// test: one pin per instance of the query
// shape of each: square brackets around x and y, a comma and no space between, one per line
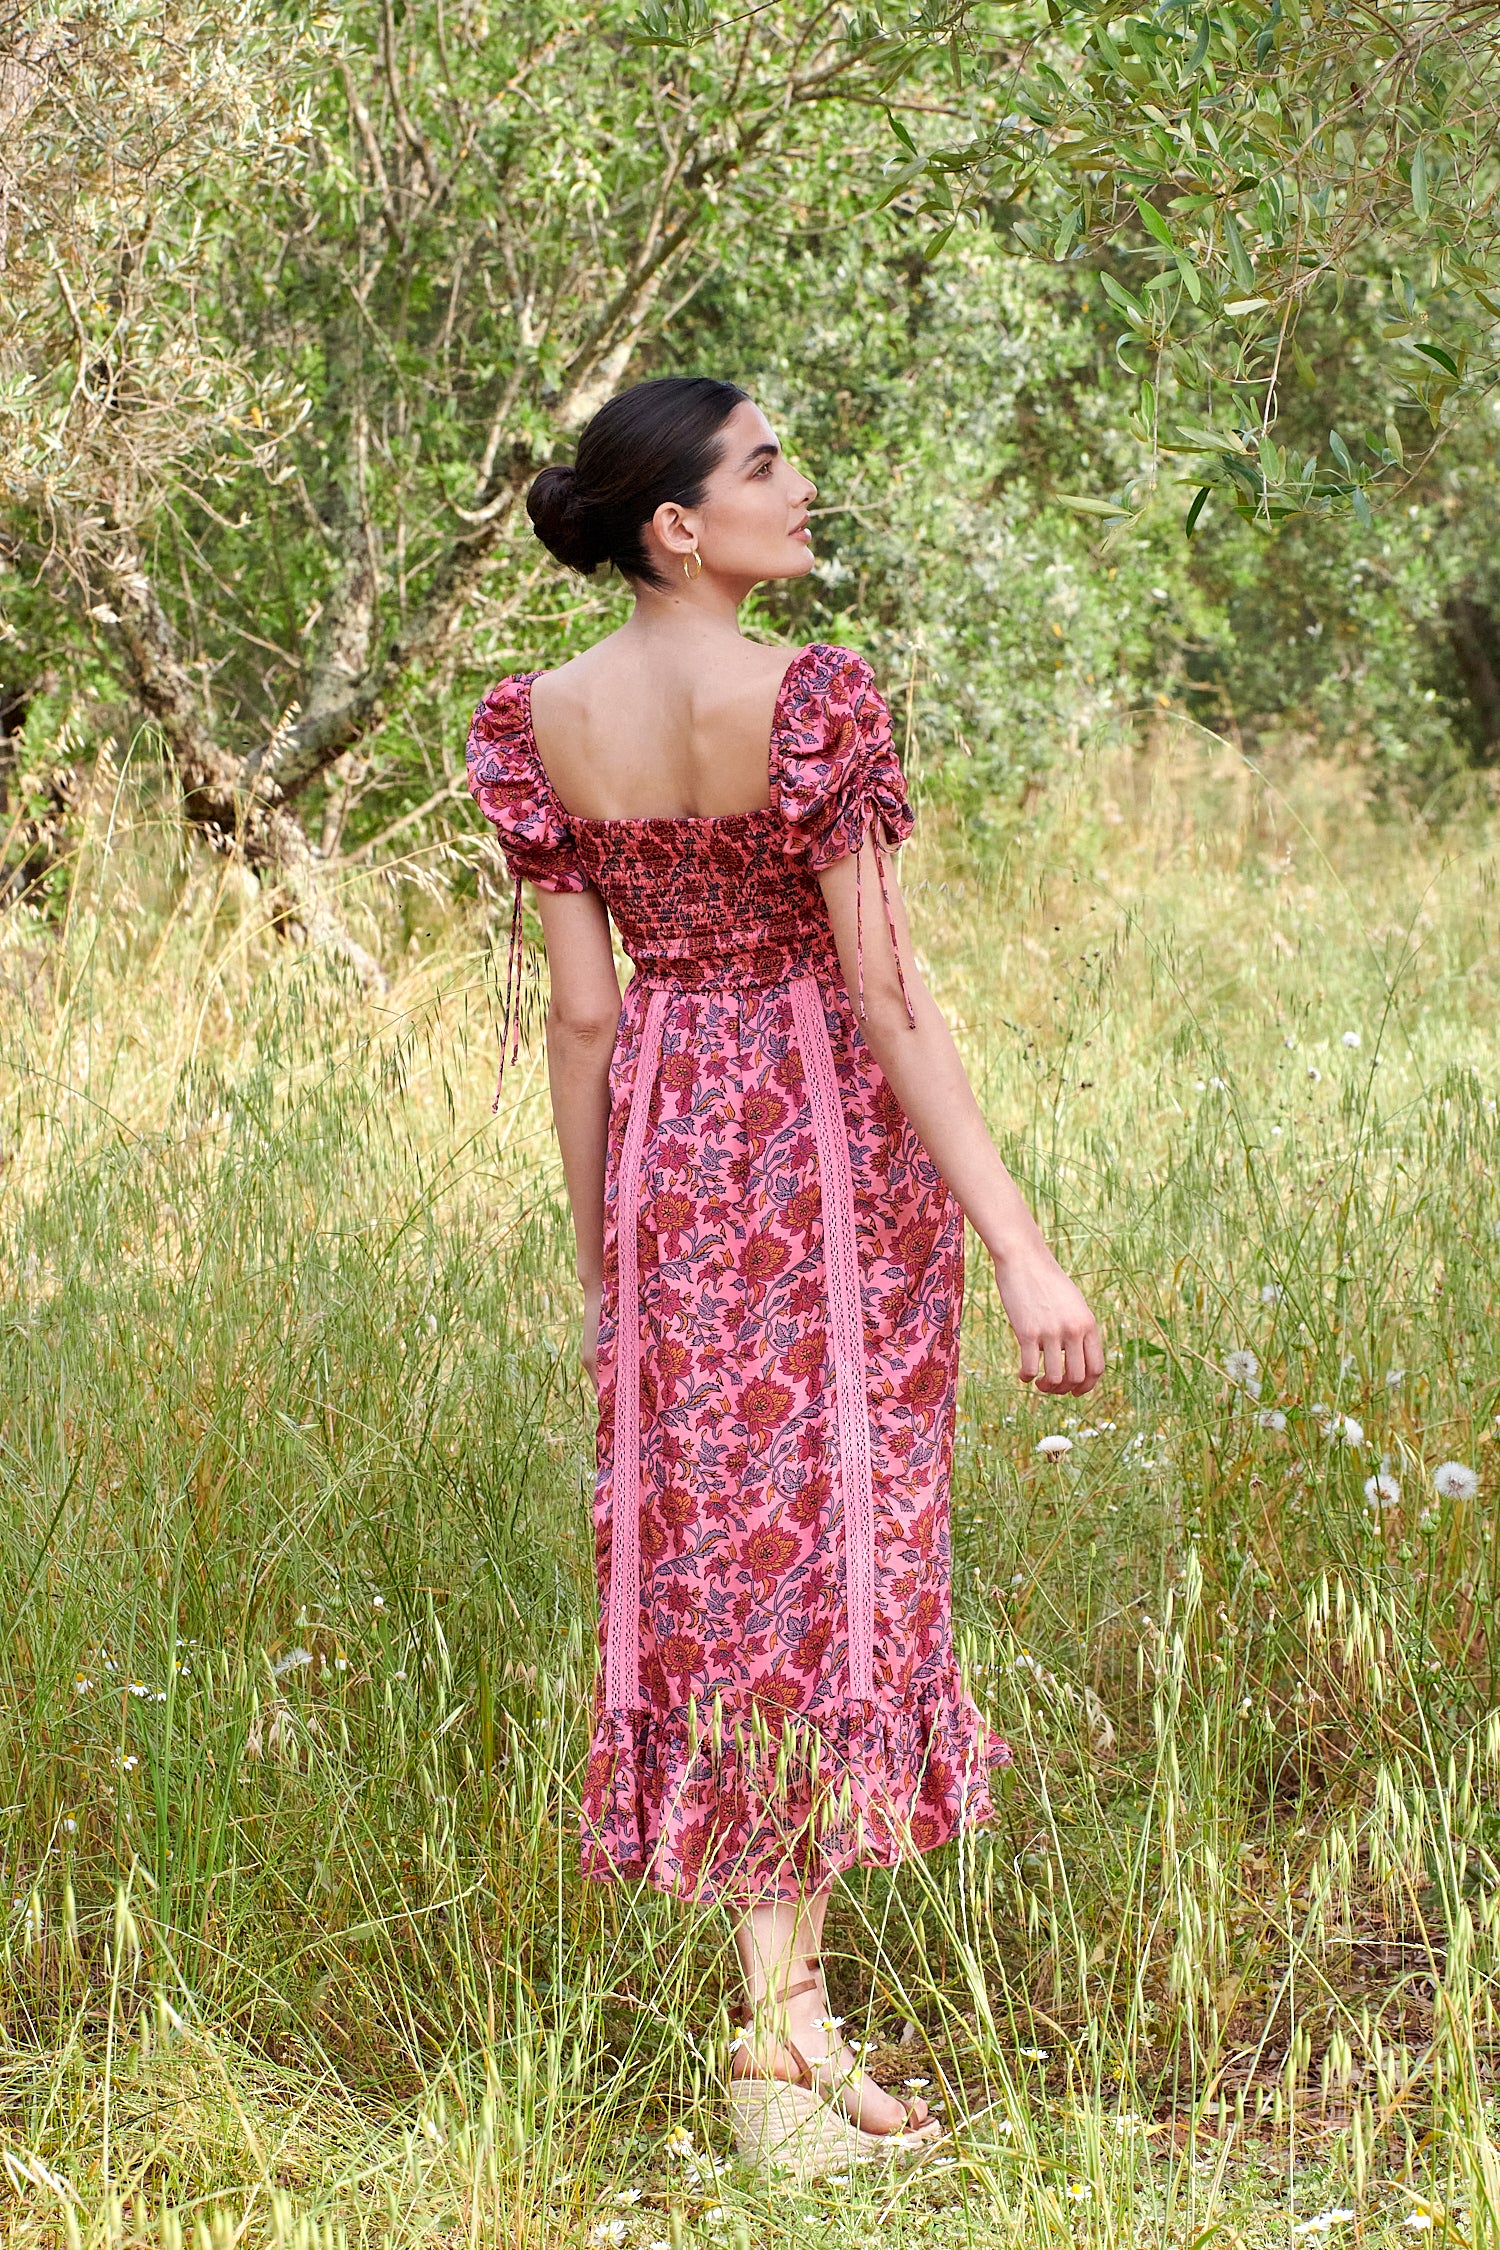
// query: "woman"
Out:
[769,1152]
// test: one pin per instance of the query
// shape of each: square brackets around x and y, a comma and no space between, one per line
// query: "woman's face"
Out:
[751,523]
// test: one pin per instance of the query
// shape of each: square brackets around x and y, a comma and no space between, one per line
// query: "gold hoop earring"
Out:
[691,574]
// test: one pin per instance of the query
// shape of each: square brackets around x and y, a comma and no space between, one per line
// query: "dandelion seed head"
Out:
[1054,1446]
[293,1661]
[1270,1293]
[1350,1039]
[1383,1491]
[1241,1366]
[1343,1429]
[1454,1480]
[1270,1418]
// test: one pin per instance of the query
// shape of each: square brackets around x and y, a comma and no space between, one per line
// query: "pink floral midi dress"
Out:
[778,1696]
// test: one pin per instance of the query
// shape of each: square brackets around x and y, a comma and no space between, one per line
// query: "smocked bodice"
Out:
[699,898]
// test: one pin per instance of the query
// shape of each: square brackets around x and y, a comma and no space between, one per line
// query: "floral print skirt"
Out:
[779,1698]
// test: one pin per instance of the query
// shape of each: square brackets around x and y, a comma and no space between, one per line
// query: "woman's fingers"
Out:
[1070,1360]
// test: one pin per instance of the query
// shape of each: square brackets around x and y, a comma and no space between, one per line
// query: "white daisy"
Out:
[1452,1480]
[1383,1491]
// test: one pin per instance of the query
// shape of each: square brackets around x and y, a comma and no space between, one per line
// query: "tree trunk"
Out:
[1474,637]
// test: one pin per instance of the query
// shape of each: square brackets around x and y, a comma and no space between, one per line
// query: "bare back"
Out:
[640,729]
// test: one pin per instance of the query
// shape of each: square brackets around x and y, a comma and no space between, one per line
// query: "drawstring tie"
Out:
[871,832]
[510,1017]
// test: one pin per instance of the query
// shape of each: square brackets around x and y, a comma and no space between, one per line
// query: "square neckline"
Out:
[665,820]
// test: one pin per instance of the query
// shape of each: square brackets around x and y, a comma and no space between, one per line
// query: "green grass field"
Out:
[298,1602]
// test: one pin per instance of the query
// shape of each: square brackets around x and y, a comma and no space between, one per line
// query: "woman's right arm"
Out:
[1058,1336]
[583,1016]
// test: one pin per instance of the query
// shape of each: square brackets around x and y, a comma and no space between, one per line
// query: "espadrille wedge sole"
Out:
[788,2128]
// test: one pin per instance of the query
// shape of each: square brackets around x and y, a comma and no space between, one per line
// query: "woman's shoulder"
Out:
[826,668]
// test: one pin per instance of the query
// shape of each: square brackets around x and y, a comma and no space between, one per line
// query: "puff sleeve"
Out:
[838,776]
[839,782]
[510,788]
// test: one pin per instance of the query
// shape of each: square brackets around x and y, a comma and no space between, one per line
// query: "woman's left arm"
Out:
[583,1016]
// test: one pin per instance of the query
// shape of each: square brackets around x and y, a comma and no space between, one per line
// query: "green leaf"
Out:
[901,132]
[1119,295]
[1239,306]
[1154,223]
[1239,257]
[1361,506]
[1393,442]
[1087,507]
[1419,181]
[1200,502]
[1202,439]
[1445,360]
[1341,453]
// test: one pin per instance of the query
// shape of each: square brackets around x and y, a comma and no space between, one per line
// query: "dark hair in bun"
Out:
[657,441]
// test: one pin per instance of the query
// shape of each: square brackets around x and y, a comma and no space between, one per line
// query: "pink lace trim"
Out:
[622,1652]
[845,1324]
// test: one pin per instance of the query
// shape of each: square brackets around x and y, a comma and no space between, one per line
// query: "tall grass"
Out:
[299,1610]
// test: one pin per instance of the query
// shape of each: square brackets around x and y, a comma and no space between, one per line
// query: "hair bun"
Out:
[560,517]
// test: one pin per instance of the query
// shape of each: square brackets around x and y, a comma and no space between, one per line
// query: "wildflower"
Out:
[1288,1041]
[1350,1039]
[609,2230]
[1314,1073]
[1319,1411]
[1383,1491]
[341,1663]
[1322,2223]
[1417,2219]
[70,1825]
[1451,1480]
[139,1688]
[1243,1368]
[1032,2054]
[917,2085]
[1270,1418]
[293,1661]
[1079,2191]
[379,1602]
[1393,1376]
[1054,1446]
[627,2195]
[128,1764]
[1270,1293]
[679,2142]
[81,1686]
[830,2024]
[713,2217]
[1342,1429]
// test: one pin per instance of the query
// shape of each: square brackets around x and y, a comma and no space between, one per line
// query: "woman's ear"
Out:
[674,527]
